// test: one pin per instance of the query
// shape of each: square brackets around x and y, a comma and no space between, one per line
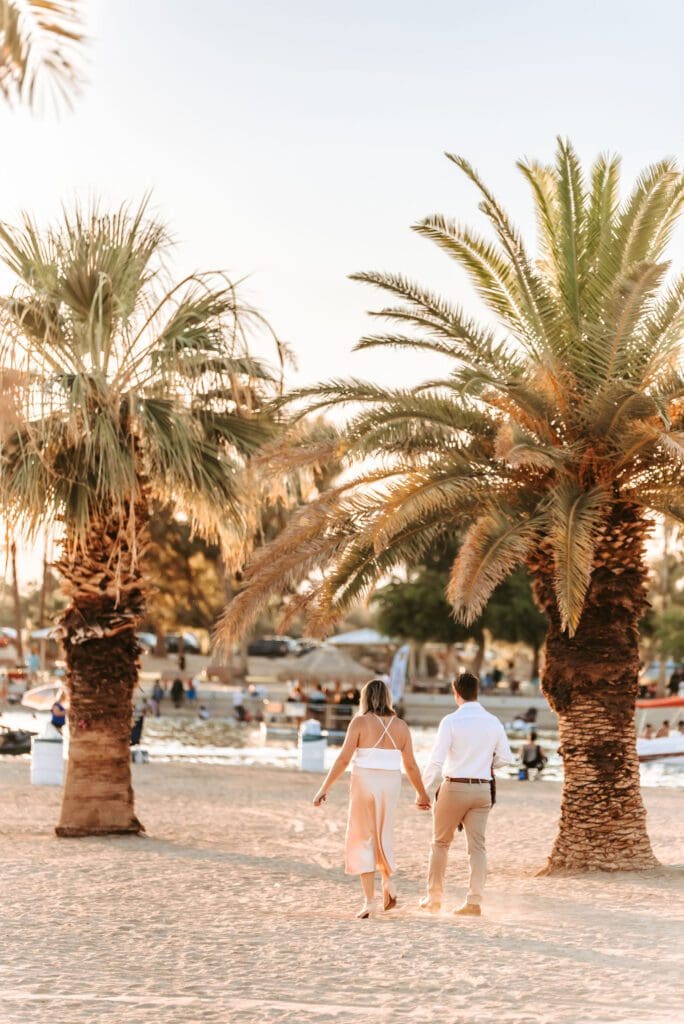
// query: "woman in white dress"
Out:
[376,744]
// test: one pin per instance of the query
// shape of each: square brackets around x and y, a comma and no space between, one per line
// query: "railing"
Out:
[333,717]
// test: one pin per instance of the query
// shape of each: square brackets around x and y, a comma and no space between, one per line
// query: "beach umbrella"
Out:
[8,632]
[361,638]
[330,663]
[41,634]
[41,698]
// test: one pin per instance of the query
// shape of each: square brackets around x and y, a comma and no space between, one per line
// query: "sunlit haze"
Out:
[295,143]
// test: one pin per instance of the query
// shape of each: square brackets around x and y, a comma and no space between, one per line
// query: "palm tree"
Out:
[555,435]
[40,42]
[16,602]
[130,392]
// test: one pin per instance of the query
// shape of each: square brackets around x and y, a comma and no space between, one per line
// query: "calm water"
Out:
[226,742]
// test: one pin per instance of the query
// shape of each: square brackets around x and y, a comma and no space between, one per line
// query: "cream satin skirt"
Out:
[369,843]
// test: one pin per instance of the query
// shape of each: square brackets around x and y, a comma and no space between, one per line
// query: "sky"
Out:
[294,143]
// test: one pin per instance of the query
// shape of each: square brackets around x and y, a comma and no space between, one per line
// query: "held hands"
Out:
[321,797]
[423,802]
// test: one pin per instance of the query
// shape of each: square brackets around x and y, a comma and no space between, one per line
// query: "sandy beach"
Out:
[234,910]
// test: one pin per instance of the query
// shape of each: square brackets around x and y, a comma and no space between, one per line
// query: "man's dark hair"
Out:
[466,686]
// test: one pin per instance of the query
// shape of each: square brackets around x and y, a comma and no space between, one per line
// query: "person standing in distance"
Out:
[470,744]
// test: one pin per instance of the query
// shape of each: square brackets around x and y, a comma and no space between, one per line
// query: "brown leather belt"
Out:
[472,782]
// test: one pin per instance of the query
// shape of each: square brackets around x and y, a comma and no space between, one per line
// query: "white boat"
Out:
[41,698]
[654,713]
[661,747]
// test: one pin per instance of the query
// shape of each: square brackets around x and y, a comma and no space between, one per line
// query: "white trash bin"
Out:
[312,744]
[47,762]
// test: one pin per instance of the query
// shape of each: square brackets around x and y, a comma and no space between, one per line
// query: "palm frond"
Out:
[451,486]
[518,447]
[360,567]
[572,229]
[639,223]
[130,386]
[537,436]
[544,329]
[616,406]
[542,181]
[41,44]
[492,548]
[604,201]
[464,338]
[488,269]
[634,292]
[575,519]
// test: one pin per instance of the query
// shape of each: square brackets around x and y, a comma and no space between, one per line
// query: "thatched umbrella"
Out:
[328,664]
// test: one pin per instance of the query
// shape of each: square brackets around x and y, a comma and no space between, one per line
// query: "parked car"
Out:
[270,647]
[172,641]
[305,644]
[652,671]
[147,641]
[190,643]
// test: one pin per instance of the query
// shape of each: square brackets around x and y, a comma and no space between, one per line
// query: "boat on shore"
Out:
[661,748]
[654,712]
[15,741]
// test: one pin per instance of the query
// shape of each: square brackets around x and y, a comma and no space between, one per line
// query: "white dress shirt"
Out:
[468,742]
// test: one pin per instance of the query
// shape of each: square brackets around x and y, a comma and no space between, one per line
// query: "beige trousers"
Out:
[459,802]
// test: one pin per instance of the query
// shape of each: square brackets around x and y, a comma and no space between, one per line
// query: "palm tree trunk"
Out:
[16,602]
[101,649]
[98,791]
[478,660]
[43,588]
[422,662]
[536,652]
[590,681]
[159,629]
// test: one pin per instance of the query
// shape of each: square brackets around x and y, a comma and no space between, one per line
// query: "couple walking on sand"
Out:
[470,744]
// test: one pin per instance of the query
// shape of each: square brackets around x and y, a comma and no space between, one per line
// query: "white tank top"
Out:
[376,757]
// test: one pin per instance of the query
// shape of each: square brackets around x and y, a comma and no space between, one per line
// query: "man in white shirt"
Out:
[470,743]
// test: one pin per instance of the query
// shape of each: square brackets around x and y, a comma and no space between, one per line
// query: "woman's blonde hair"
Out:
[376,698]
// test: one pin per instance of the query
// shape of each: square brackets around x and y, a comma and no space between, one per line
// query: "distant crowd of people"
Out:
[248,701]
[254,695]
[495,677]
[178,691]
[335,693]
[650,733]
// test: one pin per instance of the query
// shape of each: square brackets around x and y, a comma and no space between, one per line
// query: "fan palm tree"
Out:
[40,42]
[125,391]
[555,435]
